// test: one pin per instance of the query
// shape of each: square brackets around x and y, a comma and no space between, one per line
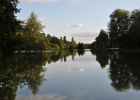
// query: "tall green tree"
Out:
[73,43]
[35,39]
[134,31]
[33,24]
[118,26]
[64,38]
[9,25]
[102,41]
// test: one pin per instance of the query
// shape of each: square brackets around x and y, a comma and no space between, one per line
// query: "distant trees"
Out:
[80,46]
[32,34]
[73,43]
[35,39]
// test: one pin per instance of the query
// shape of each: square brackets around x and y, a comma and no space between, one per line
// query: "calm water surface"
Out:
[72,75]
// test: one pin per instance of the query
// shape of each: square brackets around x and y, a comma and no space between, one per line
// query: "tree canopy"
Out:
[9,25]
[123,28]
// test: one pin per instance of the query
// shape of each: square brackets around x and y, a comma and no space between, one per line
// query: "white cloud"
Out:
[76,25]
[32,1]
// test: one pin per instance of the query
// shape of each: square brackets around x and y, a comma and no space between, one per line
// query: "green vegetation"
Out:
[35,39]
[9,26]
[29,33]
[123,30]
[102,41]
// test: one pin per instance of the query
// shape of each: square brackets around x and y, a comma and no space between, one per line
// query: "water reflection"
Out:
[22,70]
[27,70]
[81,52]
[124,71]
[102,56]
[123,68]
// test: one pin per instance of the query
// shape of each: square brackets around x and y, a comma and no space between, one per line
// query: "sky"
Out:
[81,19]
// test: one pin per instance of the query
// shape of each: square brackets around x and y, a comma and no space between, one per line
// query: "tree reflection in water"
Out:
[22,70]
[26,70]
[102,56]
[123,70]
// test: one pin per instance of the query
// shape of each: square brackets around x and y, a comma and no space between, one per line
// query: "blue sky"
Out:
[81,19]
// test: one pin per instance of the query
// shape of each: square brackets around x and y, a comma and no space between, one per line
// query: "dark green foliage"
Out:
[93,45]
[80,46]
[118,26]
[124,31]
[102,41]
[9,25]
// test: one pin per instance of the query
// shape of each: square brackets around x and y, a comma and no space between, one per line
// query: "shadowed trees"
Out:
[9,26]
[118,26]
[102,41]
[124,29]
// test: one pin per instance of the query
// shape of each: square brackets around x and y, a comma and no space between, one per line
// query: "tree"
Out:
[64,38]
[134,31]
[33,25]
[80,46]
[73,44]
[93,45]
[9,25]
[118,26]
[102,41]
[34,39]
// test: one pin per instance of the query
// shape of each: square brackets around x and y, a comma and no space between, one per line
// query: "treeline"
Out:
[35,39]
[123,31]
[26,35]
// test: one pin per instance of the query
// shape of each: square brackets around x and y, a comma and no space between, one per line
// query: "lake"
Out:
[71,75]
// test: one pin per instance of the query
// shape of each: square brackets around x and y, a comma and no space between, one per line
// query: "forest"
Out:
[16,35]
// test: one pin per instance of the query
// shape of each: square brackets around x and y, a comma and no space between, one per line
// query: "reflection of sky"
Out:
[49,96]
[81,79]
